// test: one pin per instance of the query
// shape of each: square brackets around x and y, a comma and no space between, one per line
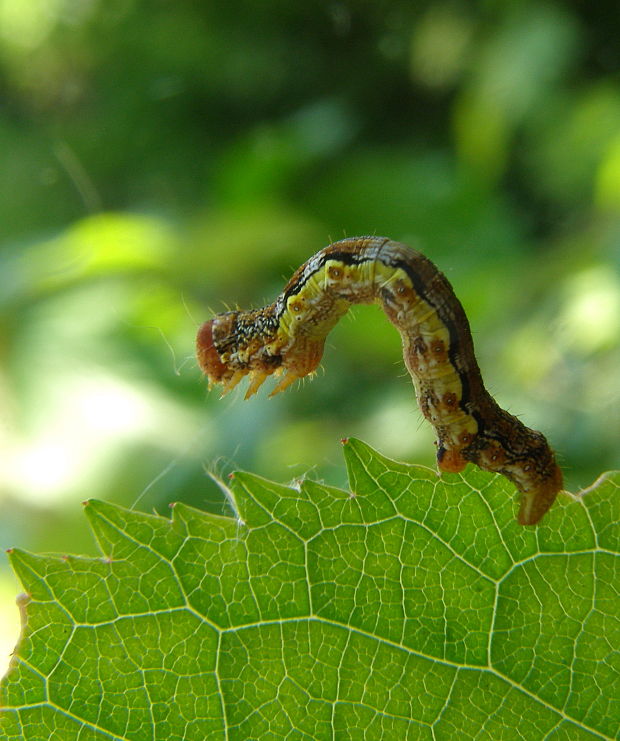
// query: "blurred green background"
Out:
[161,161]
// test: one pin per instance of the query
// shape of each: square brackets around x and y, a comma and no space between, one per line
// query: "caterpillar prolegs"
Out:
[287,338]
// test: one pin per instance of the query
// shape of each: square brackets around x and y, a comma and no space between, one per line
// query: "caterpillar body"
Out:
[287,338]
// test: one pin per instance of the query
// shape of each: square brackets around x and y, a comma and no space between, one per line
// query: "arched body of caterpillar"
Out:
[287,338]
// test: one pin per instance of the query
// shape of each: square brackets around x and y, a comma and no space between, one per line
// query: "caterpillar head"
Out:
[208,357]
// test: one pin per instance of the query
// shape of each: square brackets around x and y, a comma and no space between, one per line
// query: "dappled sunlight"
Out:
[90,419]
[590,320]
[440,45]
[113,241]
[98,245]
[530,356]
[24,25]
[398,429]
[96,316]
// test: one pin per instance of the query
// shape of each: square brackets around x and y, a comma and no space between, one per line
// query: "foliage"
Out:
[163,160]
[411,607]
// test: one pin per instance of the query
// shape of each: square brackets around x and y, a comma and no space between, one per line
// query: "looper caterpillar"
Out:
[287,338]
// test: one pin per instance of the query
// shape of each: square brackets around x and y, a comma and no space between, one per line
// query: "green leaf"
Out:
[414,607]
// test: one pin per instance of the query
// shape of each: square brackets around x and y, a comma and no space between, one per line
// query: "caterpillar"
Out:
[287,338]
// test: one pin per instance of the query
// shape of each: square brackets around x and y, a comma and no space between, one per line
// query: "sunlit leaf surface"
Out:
[413,608]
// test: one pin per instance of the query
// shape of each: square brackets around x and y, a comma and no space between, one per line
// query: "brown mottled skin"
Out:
[287,338]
